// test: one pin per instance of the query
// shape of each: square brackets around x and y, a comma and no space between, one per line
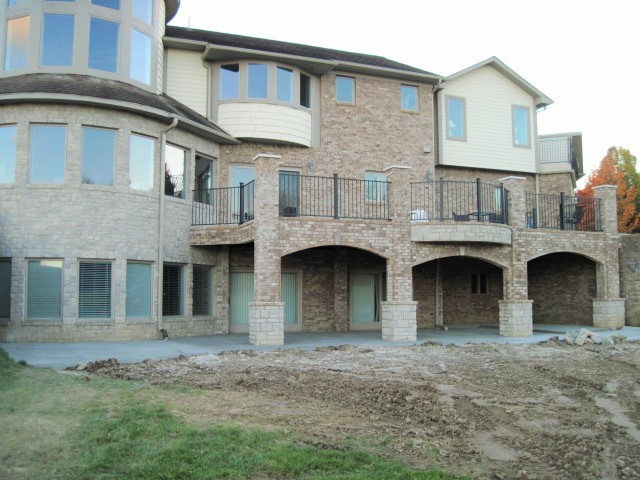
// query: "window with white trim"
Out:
[94,290]
[44,289]
[103,44]
[345,89]
[174,168]
[521,132]
[258,80]
[139,290]
[16,50]
[57,40]
[143,10]
[140,57]
[172,290]
[456,119]
[202,290]
[409,98]
[284,84]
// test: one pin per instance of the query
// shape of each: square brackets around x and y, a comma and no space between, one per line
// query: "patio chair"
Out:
[461,218]
[576,218]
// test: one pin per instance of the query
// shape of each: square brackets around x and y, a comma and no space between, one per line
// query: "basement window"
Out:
[479,284]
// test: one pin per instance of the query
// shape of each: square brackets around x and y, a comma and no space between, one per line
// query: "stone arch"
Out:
[302,247]
[440,256]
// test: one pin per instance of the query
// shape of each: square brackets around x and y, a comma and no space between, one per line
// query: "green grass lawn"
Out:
[65,426]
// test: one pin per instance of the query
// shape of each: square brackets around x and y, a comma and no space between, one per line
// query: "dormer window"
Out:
[258,80]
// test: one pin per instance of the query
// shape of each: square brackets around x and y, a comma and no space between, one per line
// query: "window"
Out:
[140,65]
[409,98]
[172,290]
[103,45]
[258,80]
[57,41]
[98,156]
[141,156]
[375,186]
[143,10]
[5,288]
[229,81]
[479,284]
[61,0]
[44,289]
[245,175]
[305,90]
[284,80]
[48,153]
[456,119]
[94,293]
[201,290]
[8,154]
[138,290]
[16,50]
[521,127]
[174,166]
[345,89]
[205,179]
[13,3]
[114,4]
[289,193]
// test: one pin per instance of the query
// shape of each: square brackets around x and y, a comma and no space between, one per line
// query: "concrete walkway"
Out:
[61,355]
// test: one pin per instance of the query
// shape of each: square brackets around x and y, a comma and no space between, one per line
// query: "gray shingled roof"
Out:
[274,46]
[87,86]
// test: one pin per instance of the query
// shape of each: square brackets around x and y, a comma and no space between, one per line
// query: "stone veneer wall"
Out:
[554,183]
[630,277]
[73,222]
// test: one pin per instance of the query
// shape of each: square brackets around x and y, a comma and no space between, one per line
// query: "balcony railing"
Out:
[333,197]
[562,212]
[223,206]
[460,201]
[558,150]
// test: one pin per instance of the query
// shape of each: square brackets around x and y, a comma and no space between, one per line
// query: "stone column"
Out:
[221,280]
[516,310]
[398,313]
[608,307]
[266,313]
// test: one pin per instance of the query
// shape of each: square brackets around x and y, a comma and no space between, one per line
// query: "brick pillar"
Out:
[517,200]
[609,308]
[398,313]
[516,310]
[266,313]
[608,207]
[340,291]
[221,279]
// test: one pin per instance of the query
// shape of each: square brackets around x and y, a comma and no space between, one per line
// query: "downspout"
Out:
[163,141]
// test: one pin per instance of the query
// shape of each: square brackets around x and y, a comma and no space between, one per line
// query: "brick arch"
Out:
[552,251]
[300,248]
[491,261]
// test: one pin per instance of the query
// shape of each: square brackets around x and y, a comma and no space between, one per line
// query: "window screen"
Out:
[201,290]
[172,290]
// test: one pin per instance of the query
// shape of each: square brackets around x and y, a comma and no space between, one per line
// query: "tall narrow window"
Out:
[456,119]
[229,81]
[16,51]
[174,168]
[479,284]
[140,66]
[201,290]
[258,80]
[138,290]
[114,4]
[94,293]
[345,89]
[44,289]
[284,80]
[98,156]
[103,45]
[409,98]
[143,10]
[57,41]
[48,153]
[205,179]
[289,193]
[141,154]
[521,127]
[8,154]
[172,291]
[305,90]
[5,287]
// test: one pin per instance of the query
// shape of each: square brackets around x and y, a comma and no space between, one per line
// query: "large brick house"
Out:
[162,177]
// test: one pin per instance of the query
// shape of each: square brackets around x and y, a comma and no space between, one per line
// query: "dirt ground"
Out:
[491,411]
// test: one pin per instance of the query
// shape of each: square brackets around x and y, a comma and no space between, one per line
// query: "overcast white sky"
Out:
[584,55]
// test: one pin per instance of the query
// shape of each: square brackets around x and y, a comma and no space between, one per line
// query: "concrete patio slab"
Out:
[62,355]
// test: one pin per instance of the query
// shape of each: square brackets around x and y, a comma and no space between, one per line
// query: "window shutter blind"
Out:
[138,290]
[95,290]
[44,292]
[172,290]
[201,290]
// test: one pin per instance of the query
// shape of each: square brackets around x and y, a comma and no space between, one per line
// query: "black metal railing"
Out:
[223,206]
[315,196]
[460,201]
[563,212]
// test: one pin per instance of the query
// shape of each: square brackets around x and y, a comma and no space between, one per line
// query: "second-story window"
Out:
[98,156]
[175,159]
[143,10]
[375,186]
[141,152]
[258,80]
[456,121]
[103,45]
[16,50]
[284,82]
[305,90]
[521,127]
[114,4]
[8,150]
[48,153]
[57,41]
[409,98]
[229,81]
[140,66]
[345,89]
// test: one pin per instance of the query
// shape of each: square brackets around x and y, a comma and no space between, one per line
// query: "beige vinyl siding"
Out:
[489,97]
[187,79]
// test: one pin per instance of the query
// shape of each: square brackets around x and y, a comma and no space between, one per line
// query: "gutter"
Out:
[163,142]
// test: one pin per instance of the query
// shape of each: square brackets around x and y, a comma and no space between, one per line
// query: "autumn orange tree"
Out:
[618,168]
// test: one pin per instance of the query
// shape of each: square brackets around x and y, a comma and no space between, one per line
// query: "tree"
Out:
[618,168]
